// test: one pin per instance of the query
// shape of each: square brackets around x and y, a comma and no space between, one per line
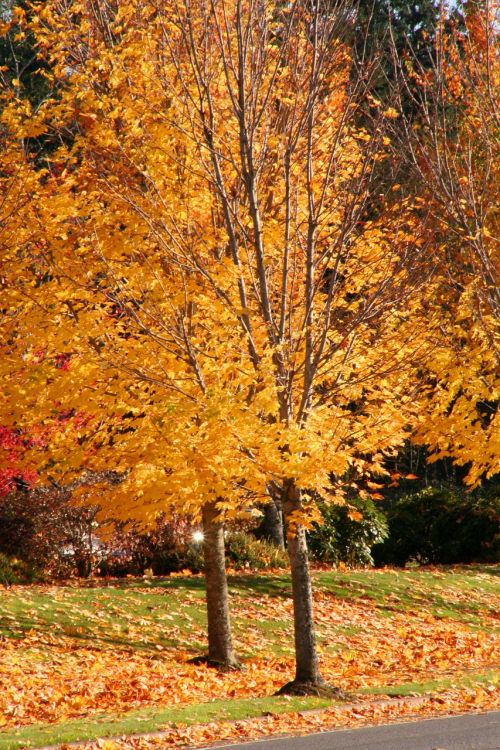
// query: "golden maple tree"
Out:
[215,268]
[452,153]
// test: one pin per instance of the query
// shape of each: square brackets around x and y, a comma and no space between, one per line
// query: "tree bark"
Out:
[271,527]
[220,647]
[308,680]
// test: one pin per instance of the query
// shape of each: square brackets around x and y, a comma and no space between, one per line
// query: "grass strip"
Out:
[154,719]
[434,686]
[143,721]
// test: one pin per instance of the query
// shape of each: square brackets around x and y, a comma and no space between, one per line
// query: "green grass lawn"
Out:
[103,612]
[463,594]
[167,616]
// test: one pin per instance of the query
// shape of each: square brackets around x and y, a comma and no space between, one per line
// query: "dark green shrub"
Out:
[348,533]
[445,526]
[13,570]
[245,551]
[187,555]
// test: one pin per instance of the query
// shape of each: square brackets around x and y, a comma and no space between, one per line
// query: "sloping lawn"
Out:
[80,661]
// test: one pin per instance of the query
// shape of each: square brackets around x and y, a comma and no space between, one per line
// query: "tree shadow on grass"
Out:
[106,616]
[97,638]
[277,585]
[396,591]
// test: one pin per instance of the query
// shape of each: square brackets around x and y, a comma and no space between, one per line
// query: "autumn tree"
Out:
[452,155]
[210,254]
[61,383]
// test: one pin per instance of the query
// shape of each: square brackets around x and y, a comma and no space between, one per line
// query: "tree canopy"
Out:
[208,287]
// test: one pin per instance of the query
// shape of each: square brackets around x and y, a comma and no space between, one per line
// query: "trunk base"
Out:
[319,688]
[221,666]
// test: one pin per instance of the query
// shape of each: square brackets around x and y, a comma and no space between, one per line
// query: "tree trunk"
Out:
[220,647]
[308,680]
[83,565]
[271,527]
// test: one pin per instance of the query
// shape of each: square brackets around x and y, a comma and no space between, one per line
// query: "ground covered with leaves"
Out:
[109,658]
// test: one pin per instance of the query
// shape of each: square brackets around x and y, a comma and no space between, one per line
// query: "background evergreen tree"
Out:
[20,66]
[386,29]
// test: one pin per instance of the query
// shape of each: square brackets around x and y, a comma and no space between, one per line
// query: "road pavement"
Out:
[465,732]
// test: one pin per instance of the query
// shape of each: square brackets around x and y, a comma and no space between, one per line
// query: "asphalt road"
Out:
[466,732]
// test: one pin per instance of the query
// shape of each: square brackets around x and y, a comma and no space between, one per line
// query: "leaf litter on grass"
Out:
[78,653]
[297,723]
